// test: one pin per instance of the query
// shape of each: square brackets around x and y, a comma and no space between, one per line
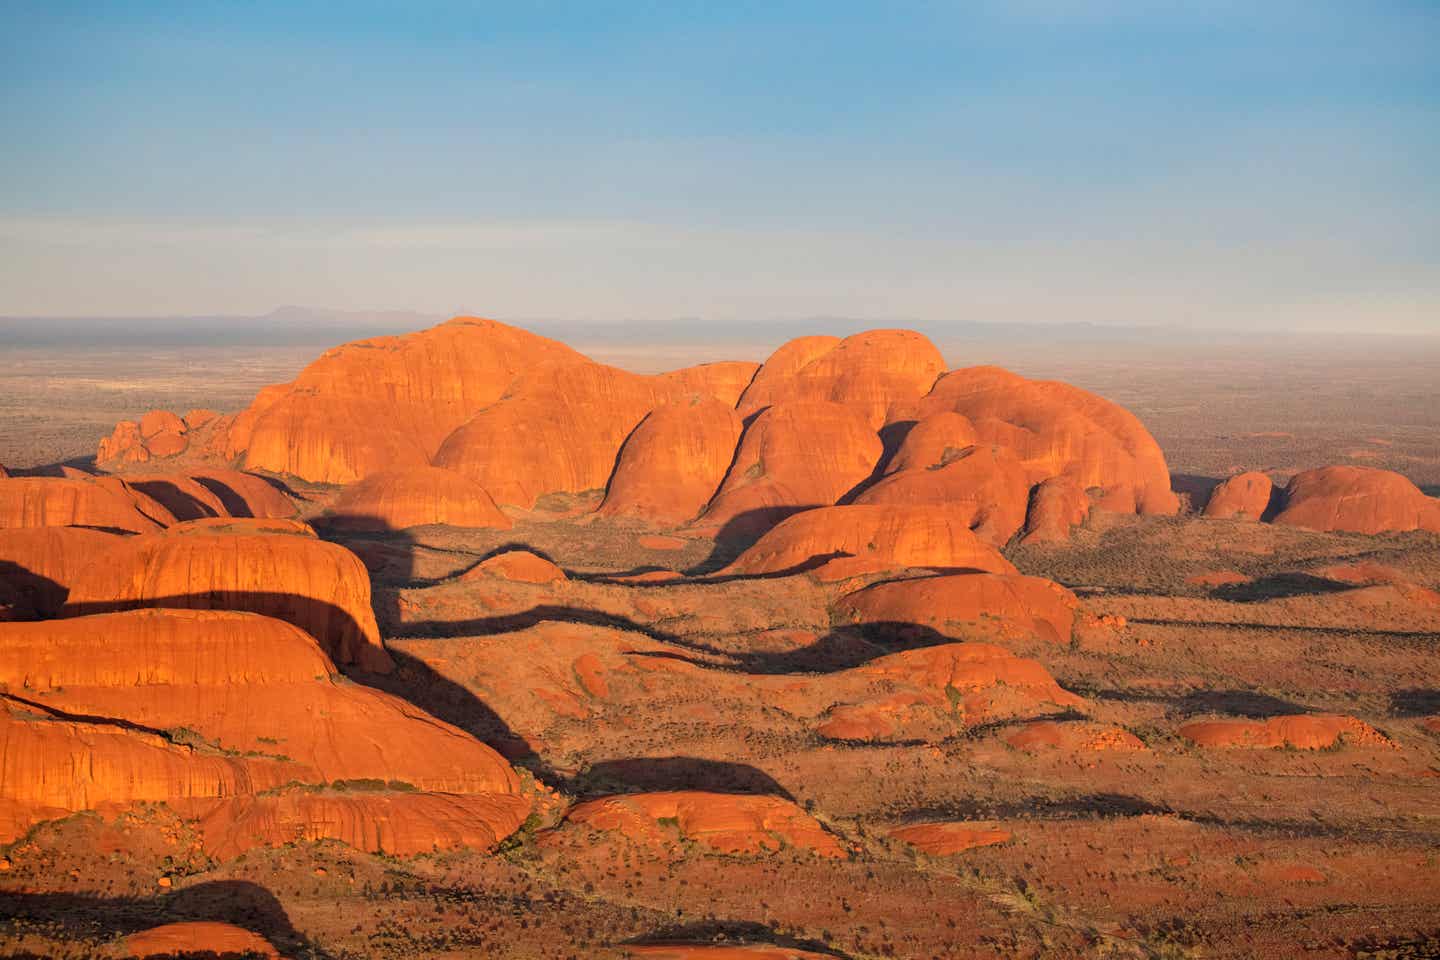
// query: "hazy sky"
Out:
[1249,163]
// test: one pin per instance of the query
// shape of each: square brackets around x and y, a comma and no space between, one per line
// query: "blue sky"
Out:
[1114,161]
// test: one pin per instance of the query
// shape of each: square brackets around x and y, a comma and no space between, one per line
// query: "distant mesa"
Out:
[416,497]
[1245,496]
[1357,500]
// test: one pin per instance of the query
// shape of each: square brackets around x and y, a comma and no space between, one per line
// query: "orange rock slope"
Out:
[1304,732]
[1357,500]
[839,542]
[967,605]
[193,707]
[985,485]
[1244,496]
[793,456]
[42,562]
[244,565]
[673,462]
[397,499]
[198,937]
[59,502]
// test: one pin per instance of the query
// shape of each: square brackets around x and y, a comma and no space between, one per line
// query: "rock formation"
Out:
[41,563]
[673,462]
[198,937]
[1057,506]
[1244,496]
[320,587]
[415,497]
[839,542]
[866,372]
[729,823]
[967,605]
[985,485]
[519,565]
[1304,732]
[58,502]
[1357,500]
[949,838]
[792,457]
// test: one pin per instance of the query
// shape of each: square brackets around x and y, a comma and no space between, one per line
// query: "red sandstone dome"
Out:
[266,704]
[198,937]
[974,604]
[1055,429]
[1357,500]
[794,456]
[57,502]
[985,485]
[933,442]
[320,587]
[40,563]
[674,461]
[415,497]
[838,542]
[1244,496]
[866,372]
[557,430]
[1057,505]
[1305,732]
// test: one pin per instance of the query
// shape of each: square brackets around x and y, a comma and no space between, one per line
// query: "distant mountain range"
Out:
[302,326]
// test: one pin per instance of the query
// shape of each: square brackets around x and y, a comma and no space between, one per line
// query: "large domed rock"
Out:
[933,442]
[839,542]
[201,938]
[1057,506]
[1357,500]
[245,685]
[559,430]
[40,563]
[60,502]
[1244,496]
[968,605]
[985,485]
[1055,429]
[673,462]
[725,380]
[867,372]
[388,402]
[793,456]
[415,497]
[319,587]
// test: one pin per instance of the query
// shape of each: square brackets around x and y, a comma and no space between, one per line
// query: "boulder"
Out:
[1357,500]
[1245,496]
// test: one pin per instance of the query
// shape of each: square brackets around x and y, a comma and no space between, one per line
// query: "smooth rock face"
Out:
[793,456]
[839,542]
[397,499]
[729,823]
[265,706]
[41,563]
[984,484]
[1055,429]
[1305,732]
[320,587]
[57,502]
[244,494]
[519,565]
[967,605]
[199,936]
[866,372]
[1057,506]
[933,442]
[389,402]
[1357,500]
[1244,496]
[673,462]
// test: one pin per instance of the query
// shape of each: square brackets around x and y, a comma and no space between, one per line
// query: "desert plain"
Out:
[468,643]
